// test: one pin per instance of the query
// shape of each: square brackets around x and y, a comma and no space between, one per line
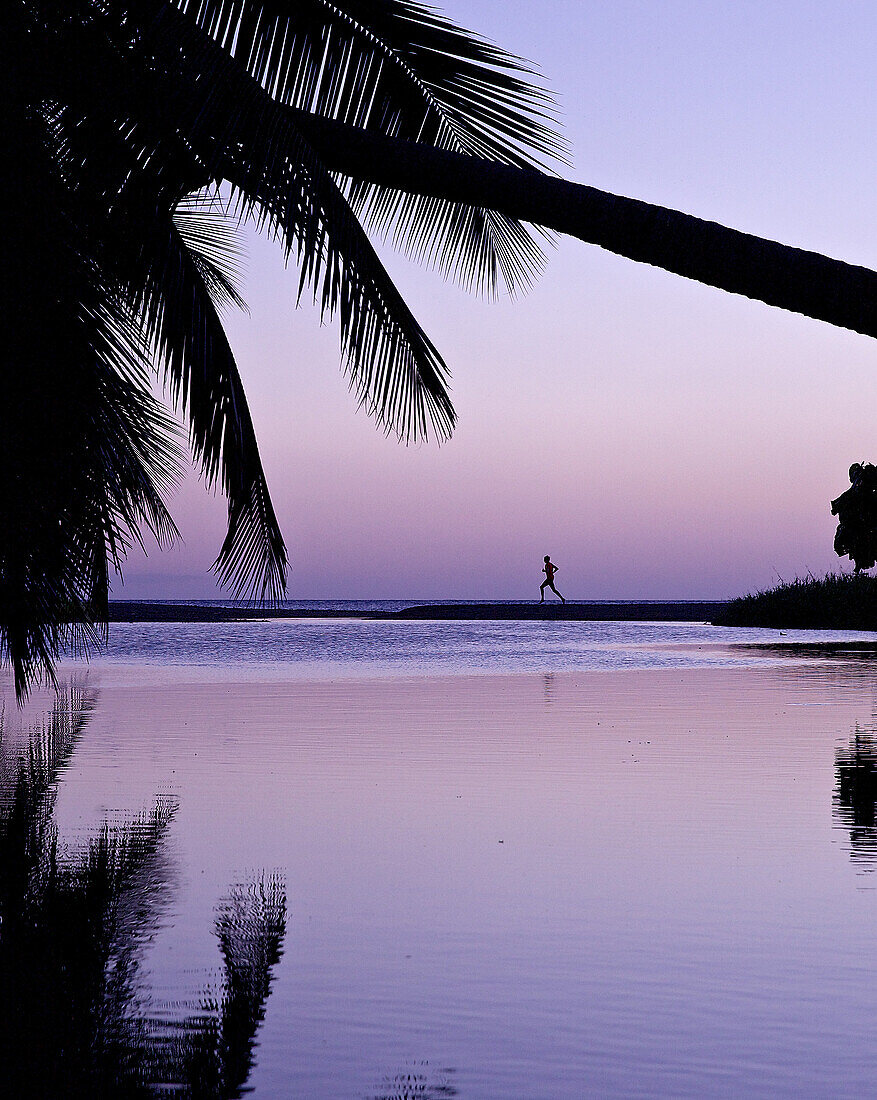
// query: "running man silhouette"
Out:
[549,569]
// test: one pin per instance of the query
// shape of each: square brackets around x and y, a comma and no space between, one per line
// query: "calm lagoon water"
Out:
[355,648]
[478,859]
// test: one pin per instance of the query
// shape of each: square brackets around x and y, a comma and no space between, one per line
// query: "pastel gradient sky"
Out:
[658,438]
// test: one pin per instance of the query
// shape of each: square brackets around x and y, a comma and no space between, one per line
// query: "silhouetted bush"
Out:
[833,602]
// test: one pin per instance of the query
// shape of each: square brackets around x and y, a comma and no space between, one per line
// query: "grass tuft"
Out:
[837,601]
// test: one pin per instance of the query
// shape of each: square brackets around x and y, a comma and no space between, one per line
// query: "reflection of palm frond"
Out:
[68,953]
[418,1083]
[73,928]
[215,1050]
[27,794]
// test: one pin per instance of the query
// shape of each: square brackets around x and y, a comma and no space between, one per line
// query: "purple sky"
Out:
[656,437]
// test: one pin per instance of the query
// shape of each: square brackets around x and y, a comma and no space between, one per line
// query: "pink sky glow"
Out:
[658,438]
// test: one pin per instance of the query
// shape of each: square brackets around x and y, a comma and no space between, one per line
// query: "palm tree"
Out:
[131,121]
[120,111]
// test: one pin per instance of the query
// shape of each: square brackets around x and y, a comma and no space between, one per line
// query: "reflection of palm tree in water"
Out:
[73,927]
[855,795]
[418,1083]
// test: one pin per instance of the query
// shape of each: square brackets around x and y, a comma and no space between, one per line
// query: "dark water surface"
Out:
[574,861]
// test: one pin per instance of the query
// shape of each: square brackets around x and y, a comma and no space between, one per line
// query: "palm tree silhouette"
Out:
[314,119]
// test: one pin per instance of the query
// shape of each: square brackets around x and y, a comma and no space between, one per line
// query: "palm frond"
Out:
[393,65]
[175,306]
[86,452]
[401,69]
[242,136]
[213,241]
[175,262]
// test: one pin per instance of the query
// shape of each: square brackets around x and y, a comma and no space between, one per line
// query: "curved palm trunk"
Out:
[778,274]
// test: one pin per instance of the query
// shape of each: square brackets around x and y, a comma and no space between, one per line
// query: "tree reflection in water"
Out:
[418,1083]
[855,795]
[75,1020]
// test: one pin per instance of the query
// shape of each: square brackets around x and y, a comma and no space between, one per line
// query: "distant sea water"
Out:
[309,605]
[354,606]
[329,648]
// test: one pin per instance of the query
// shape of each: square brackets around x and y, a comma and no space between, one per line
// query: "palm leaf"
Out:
[173,265]
[241,135]
[213,242]
[86,452]
[401,69]
[178,314]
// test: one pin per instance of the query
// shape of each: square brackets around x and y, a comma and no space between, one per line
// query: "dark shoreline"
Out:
[837,601]
[137,611]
